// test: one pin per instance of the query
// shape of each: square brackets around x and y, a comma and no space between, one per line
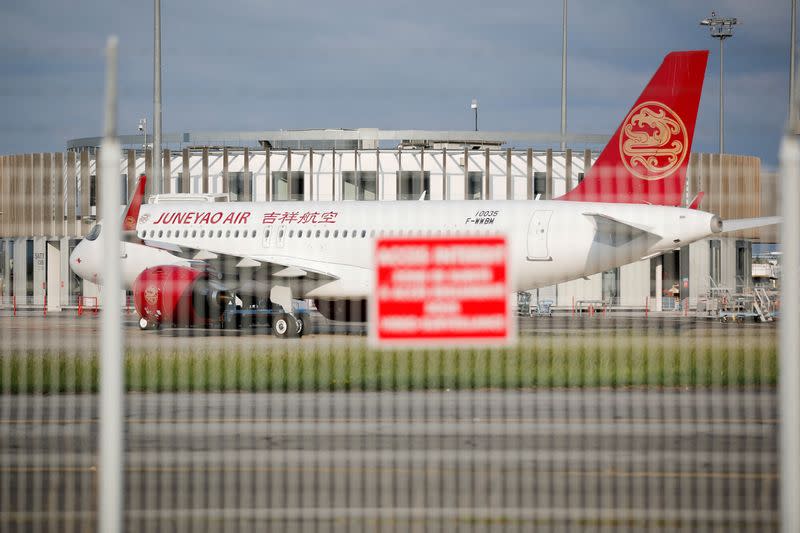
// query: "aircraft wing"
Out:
[748,223]
[615,232]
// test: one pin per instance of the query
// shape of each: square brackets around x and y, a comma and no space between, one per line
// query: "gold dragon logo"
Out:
[151,295]
[653,141]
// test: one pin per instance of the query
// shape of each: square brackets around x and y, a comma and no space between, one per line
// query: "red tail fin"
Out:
[132,213]
[645,161]
[696,201]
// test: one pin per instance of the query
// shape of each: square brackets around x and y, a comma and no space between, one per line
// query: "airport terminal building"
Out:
[49,201]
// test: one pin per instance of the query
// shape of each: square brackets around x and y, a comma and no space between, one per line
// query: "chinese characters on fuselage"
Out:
[242,217]
[306,217]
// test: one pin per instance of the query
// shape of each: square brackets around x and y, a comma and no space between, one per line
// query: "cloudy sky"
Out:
[262,65]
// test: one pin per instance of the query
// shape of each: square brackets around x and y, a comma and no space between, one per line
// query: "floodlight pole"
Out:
[157,176]
[564,77]
[792,80]
[143,128]
[721,28]
[721,99]
[474,106]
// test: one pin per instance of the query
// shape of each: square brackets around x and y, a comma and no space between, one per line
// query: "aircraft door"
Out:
[274,236]
[538,231]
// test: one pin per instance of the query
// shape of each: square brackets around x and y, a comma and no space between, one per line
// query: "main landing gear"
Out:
[286,324]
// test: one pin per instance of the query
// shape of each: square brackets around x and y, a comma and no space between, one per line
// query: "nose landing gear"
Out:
[145,324]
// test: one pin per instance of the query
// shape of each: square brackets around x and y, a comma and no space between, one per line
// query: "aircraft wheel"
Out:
[280,326]
[301,326]
[285,326]
[145,324]
[294,327]
[723,319]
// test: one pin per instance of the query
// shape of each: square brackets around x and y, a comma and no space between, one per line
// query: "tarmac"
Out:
[480,460]
[67,332]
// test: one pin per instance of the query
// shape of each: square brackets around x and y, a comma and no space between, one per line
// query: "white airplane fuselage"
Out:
[548,241]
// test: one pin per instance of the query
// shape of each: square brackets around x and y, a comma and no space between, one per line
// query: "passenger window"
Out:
[317,234]
[266,234]
[300,234]
[353,234]
[236,233]
[335,233]
[280,234]
[219,234]
[363,233]
[169,233]
[327,233]
[202,233]
[253,234]
[308,234]
[372,233]
[344,233]
[291,233]
[227,234]
[194,233]
[160,233]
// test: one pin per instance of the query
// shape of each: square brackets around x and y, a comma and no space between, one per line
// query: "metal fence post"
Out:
[111,379]
[789,364]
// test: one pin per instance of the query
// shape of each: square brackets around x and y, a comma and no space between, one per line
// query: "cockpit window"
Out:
[94,233]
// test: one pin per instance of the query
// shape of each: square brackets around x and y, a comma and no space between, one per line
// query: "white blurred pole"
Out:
[789,365]
[111,380]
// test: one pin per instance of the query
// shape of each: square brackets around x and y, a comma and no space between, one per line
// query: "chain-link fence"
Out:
[635,385]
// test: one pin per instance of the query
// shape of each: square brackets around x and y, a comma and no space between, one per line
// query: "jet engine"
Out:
[179,296]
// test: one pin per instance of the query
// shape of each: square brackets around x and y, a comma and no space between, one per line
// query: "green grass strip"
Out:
[563,362]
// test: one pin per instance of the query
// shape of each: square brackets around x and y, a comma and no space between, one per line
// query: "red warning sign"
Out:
[441,291]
